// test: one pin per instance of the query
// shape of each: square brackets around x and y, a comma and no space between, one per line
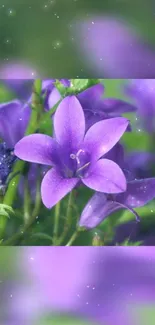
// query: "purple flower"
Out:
[74,155]
[138,164]
[101,285]
[96,108]
[142,91]
[100,206]
[113,48]
[14,118]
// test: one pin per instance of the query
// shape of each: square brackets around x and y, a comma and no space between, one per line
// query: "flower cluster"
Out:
[84,148]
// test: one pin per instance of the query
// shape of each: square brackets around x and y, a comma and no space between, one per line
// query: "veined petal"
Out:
[90,97]
[96,210]
[37,148]
[69,122]
[11,123]
[102,136]
[105,176]
[118,106]
[54,187]
[138,193]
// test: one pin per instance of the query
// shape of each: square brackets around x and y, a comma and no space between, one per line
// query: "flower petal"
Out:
[37,148]
[11,123]
[139,192]
[69,122]
[54,187]
[118,106]
[102,136]
[90,97]
[54,97]
[106,176]
[96,210]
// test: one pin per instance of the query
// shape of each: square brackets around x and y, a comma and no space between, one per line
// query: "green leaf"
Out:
[61,88]
[79,84]
[41,235]
[127,242]
[6,210]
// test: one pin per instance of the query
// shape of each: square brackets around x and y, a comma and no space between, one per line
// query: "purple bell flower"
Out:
[100,206]
[94,106]
[92,285]
[138,192]
[74,155]
[97,108]
[142,91]
[113,48]
[14,118]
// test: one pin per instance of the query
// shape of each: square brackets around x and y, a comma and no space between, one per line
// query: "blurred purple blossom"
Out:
[18,77]
[138,164]
[100,284]
[75,155]
[142,92]
[113,48]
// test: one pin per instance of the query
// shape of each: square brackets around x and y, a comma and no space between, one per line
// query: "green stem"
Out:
[26,201]
[37,199]
[19,165]
[72,239]
[68,219]
[56,222]
[31,220]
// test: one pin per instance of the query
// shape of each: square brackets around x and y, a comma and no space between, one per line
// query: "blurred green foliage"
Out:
[42,32]
[65,320]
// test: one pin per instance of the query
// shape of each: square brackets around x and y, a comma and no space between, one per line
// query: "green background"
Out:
[42,32]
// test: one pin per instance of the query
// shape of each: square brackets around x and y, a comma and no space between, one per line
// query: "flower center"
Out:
[82,159]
